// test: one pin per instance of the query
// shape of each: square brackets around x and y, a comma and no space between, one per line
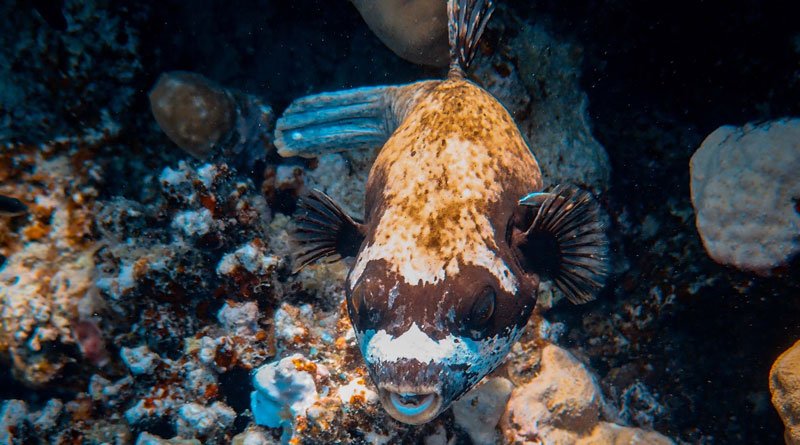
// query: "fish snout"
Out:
[414,406]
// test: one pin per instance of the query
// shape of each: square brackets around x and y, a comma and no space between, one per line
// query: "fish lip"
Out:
[391,399]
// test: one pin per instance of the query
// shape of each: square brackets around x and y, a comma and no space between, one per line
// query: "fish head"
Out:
[427,344]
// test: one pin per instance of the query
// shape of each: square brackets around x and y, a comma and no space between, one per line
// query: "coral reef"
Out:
[205,215]
[746,192]
[317,389]
[56,82]
[784,384]
[47,285]
[198,248]
[285,388]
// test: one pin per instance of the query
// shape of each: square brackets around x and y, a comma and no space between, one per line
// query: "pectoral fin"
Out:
[324,231]
[565,242]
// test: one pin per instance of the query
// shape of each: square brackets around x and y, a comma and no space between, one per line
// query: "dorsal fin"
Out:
[466,20]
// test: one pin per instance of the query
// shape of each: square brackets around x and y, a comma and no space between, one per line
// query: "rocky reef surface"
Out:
[147,296]
[784,383]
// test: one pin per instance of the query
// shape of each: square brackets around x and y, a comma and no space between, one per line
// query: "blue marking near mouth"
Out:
[404,405]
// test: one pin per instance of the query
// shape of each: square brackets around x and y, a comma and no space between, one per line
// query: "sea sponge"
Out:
[193,111]
[415,30]
[745,191]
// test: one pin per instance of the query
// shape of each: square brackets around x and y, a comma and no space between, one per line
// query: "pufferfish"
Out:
[457,233]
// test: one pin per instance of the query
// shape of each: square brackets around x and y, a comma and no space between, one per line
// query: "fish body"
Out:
[456,234]
[444,186]
[440,198]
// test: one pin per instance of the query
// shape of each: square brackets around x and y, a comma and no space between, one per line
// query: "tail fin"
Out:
[340,121]
[466,20]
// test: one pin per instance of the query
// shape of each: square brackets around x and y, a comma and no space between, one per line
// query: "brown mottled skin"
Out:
[412,178]
[437,293]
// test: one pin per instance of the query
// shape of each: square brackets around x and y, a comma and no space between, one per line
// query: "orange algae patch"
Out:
[36,231]
[211,391]
[304,365]
[140,267]
[209,202]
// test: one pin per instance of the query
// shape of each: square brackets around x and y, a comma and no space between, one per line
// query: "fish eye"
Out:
[509,230]
[483,308]
[358,301]
[364,312]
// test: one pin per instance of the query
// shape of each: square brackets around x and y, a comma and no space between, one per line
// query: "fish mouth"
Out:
[413,406]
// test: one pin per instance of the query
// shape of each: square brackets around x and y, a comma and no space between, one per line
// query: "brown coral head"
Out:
[194,112]
[415,30]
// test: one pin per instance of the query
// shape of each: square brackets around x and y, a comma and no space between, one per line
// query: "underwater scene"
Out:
[432,222]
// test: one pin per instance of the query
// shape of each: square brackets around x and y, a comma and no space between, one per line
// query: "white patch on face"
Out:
[481,355]
[393,293]
[412,344]
[463,234]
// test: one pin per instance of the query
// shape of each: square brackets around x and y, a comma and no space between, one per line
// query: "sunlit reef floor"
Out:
[679,344]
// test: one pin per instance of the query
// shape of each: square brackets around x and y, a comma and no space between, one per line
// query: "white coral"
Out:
[282,392]
[252,256]
[745,184]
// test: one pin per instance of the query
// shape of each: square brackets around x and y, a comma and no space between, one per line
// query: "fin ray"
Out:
[323,231]
[566,242]
[466,21]
[358,118]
